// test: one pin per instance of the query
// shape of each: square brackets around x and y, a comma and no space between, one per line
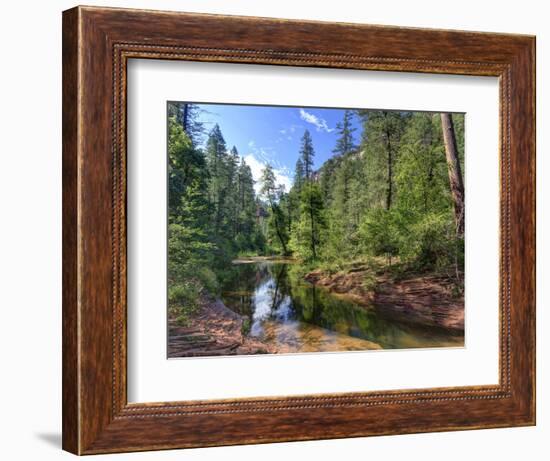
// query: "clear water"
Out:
[284,310]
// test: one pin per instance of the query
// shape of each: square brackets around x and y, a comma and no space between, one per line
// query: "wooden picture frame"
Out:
[97,43]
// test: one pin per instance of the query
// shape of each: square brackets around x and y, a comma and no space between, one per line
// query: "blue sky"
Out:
[272,134]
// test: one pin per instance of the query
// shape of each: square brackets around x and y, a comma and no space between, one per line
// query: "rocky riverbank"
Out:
[212,330]
[427,300]
[216,330]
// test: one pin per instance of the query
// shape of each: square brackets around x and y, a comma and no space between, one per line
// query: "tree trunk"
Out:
[455,173]
[276,215]
[389,192]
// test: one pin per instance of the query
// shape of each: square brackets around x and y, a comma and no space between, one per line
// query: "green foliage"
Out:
[421,241]
[185,165]
[380,233]
[434,245]
[381,141]
[345,143]
[278,221]
[384,203]
[306,155]
[421,171]
[211,213]
[189,245]
[391,199]
[186,115]
[246,326]
[183,300]
[307,233]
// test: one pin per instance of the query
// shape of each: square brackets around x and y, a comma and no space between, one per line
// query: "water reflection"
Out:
[284,310]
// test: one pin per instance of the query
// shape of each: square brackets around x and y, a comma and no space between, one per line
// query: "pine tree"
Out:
[306,155]
[344,144]
[217,161]
[273,194]
[421,181]
[190,245]
[299,174]
[246,207]
[382,131]
[231,193]
[185,164]
[187,116]
[308,231]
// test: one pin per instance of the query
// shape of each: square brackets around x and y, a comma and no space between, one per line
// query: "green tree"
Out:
[220,178]
[299,174]
[187,116]
[420,171]
[308,231]
[382,131]
[185,165]
[306,155]
[246,208]
[273,193]
[345,130]
[190,246]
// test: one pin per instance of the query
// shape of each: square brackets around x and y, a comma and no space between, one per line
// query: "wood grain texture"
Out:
[70,384]
[97,43]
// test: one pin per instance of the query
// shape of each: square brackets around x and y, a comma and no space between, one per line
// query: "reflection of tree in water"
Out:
[281,305]
[285,297]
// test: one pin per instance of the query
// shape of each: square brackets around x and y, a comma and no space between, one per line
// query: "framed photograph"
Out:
[282,230]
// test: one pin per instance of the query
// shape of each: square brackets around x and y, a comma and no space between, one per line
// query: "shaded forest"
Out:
[388,203]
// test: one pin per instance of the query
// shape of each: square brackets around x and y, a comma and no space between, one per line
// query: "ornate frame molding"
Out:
[97,43]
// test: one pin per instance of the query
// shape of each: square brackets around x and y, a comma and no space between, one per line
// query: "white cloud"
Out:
[257,166]
[287,131]
[318,122]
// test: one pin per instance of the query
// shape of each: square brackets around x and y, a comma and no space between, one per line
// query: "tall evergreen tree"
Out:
[345,130]
[272,192]
[217,161]
[231,193]
[307,236]
[306,155]
[421,181]
[185,164]
[382,131]
[189,242]
[246,207]
[187,116]
[299,174]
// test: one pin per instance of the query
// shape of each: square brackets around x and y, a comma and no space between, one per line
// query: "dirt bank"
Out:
[423,299]
[212,330]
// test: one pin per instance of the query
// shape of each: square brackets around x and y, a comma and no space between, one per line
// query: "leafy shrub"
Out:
[183,300]
[246,326]
[208,279]
[380,233]
[423,241]
[434,244]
